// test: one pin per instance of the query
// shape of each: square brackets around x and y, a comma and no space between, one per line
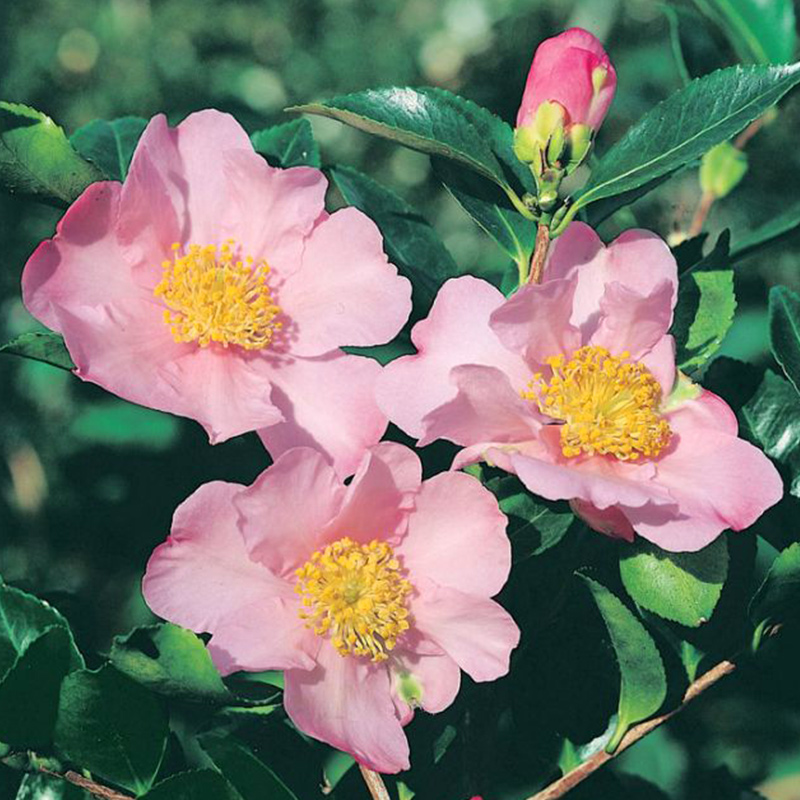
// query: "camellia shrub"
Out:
[474,491]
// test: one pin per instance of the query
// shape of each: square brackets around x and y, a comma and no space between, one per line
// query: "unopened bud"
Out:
[721,169]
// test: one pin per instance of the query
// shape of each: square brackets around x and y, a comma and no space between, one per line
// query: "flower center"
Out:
[608,405]
[212,297]
[356,594]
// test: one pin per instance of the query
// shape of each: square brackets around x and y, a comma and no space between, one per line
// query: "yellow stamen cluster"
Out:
[213,297]
[608,405]
[355,593]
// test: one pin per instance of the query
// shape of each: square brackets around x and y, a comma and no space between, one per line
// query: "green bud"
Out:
[721,169]
[532,141]
[556,145]
[548,199]
[525,145]
[599,75]
[580,142]
[409,688]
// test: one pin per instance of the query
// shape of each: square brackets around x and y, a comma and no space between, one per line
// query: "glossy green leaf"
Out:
[761,32]
[682,587]
[409,240]
[779,225]
[778,597]
[253,779]
[784,330]
[172,661]
[109,144]
[42,346]
[679,130]
[289,145]
[534,524]
[111,726]
[705,308]
[427,119]
[201,784]
[643,679]
[36,158]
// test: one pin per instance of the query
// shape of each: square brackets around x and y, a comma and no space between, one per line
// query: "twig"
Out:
[540,253]
[563,785]
[375,784]
[96,789]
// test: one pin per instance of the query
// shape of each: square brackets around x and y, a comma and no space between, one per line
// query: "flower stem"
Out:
[375,784]
[540,253]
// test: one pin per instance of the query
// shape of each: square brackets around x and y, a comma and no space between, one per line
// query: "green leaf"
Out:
[430,120]
[201,784]
[784,331]
[109,144]
[289,145]
[679,130]
[36,158]
[722,169]
[172,661]
[766,234]
[42,346]
[763,32]
[253,779]
[535,524]
[644,681]
[705,308]
[409,240]
[682,587]
[778,597]
[111,726]
[114,424]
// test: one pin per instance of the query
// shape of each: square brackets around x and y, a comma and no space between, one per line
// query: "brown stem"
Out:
[750,131]
[540,253]
[96,789]
[563,785]
[706,201]
[377,789]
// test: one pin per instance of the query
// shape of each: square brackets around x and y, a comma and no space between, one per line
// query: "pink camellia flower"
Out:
[214,286]
[370,596]
[573,70]
[571,385]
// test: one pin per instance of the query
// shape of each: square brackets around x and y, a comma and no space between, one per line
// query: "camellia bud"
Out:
[570,86]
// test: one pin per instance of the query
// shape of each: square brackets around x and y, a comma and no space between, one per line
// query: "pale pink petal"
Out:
[346,292]
[285,510]
[455,332]
[347,702]
[203,572]
[327,403]
[534,322]
[486,408]
[82,265]
[457,536]
[264,635]
[632,322]
[707,410]
[610,521]
[437,679]
[661,363]
[477,633]
[577,248]
[380,495]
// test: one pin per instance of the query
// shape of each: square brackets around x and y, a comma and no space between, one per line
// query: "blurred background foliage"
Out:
[88,483]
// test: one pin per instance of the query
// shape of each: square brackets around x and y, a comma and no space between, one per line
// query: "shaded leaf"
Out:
[778,597]
[201,784]
[784,330]
[109,144]
[111,726]
[115,423]
[44,346]
[768,233]
[291,144]
[683,127]
[45,787]
[170,660]
[643,679]
[36,158]
[409,240]
[682,587]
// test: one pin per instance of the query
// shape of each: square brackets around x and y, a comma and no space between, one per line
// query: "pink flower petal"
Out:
[347,702]
[264,635]
[455,332]
[327,403]
[286,509]
[202,573]
[346,292]
[378,499]
[534,322]
[485,408]
[610,521]
[661,363]
[477,633]
[437,677]
[457,536]
[73,268]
